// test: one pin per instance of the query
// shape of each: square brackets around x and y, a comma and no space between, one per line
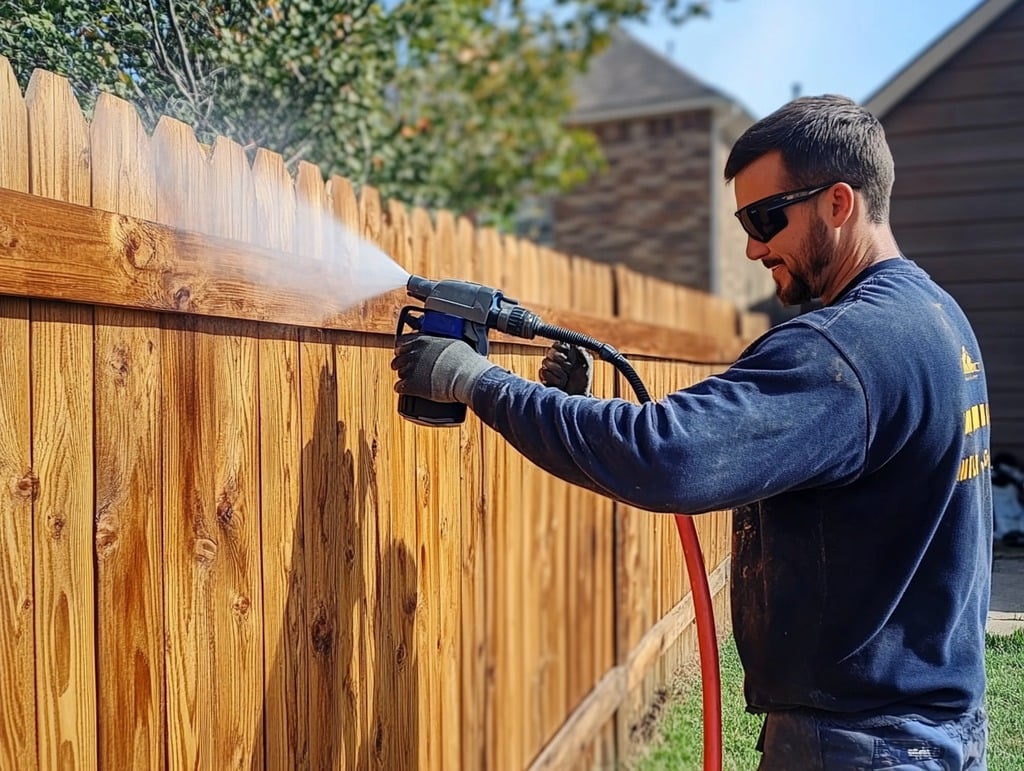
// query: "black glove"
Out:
[440,369]
[568,368]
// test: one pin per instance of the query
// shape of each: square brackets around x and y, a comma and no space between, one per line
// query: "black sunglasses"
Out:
[764,219]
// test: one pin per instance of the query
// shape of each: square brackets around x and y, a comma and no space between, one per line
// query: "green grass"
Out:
[678,745]
[1004,663]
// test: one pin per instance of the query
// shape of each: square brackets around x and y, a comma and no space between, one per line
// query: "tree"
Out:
[441,103]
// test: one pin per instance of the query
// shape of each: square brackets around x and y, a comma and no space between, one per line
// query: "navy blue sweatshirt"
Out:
[853,444]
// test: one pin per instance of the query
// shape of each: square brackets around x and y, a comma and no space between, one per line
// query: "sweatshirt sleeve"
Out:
[788,415]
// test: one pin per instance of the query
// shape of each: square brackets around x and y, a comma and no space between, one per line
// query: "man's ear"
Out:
[842,200]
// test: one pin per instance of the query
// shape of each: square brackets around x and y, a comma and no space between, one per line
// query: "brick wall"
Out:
[651,208]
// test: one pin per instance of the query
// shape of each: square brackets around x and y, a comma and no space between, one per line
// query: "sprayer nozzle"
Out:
[420,287]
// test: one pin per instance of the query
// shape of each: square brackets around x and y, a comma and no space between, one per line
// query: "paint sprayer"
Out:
[466,311]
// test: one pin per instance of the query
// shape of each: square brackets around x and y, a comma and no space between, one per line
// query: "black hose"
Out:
[605,351]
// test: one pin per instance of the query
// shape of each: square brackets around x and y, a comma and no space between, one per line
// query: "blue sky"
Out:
[755,50]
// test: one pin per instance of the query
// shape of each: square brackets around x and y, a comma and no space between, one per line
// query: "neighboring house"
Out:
[662,206]
[955,119]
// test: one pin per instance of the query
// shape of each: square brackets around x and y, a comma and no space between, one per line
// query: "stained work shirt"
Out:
[853,444]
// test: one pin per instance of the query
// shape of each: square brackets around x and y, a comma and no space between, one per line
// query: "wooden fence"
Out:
[220,547]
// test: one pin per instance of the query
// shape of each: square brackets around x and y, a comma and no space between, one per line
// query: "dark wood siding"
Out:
[958,204]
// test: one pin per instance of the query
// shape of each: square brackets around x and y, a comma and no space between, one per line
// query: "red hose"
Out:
[707,643]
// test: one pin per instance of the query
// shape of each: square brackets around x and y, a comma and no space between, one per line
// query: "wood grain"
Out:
[59,251]
[129,586]
[62,429]
[19,482]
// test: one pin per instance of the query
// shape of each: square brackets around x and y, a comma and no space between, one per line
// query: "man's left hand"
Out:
[440,369]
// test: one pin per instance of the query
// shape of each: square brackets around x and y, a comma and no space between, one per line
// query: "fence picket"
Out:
[181,175]
[232,200]
[312,236]
[128,489]
[13,131]
[17,633]
[475,705]
[285,708]
[62,428]
[449,511]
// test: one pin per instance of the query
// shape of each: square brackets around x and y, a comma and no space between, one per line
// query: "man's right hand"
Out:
[568,368]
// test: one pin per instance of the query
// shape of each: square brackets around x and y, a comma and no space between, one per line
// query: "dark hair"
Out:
[823,139]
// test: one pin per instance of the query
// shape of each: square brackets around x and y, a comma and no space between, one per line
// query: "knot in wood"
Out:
[183,299]
[28,486]
[241,605]
[120,363]
[322,633]
[401,654]
[106,537]
[410,603]
[8,240]
[56,522]
[205,550]
[225,511]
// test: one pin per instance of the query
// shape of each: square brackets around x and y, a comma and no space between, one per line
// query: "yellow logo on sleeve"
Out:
[970,366]
[974,465]
[976,417]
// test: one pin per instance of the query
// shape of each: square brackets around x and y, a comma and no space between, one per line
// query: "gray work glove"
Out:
[568,368]
[440,369]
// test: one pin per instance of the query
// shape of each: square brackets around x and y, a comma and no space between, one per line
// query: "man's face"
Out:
[800,254]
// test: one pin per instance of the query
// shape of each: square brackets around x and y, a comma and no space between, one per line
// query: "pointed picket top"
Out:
[397,235]
[312,235]
[58,140]
[555,279]
[344,212]
[467,250]
[449,262]
[527,274]
[371,216]
[182,172]
[274,201]
[508,278]
[344,204]
[490,255]
[13,132]
[424,244]
[230,189]
[123,177]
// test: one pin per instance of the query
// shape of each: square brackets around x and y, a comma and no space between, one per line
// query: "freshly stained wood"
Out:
[431,482]
[447,497]
[285,707]
[286,704]
[472,569]
[53,250]
[405,742]
[18,708]
[129,579]
[13,132]
[20,487]
[62,429]
[196,427]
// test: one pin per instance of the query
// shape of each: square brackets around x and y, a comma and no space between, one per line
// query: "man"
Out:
[852,442]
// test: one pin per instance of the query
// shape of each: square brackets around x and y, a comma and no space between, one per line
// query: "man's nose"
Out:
[756,250]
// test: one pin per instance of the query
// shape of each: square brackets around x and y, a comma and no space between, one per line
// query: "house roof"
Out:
[937,54]
[628,79]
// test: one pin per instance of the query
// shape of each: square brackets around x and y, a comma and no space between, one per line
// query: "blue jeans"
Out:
[800,741]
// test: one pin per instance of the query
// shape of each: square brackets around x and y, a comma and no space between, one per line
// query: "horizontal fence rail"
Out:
[220,546]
